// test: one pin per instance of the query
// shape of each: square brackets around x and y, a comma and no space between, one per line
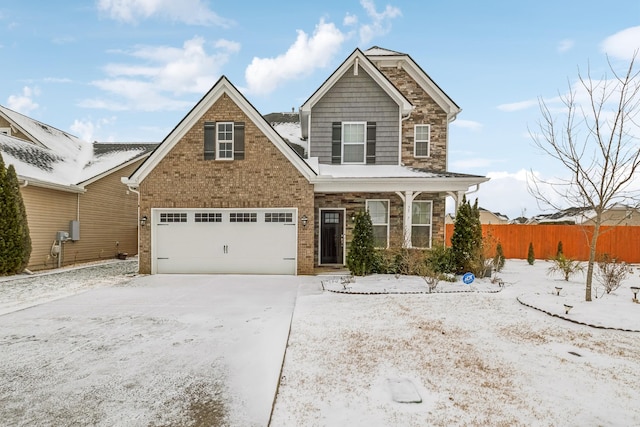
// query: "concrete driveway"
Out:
[160,350]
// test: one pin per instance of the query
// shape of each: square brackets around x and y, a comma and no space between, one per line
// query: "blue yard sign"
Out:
[468,278]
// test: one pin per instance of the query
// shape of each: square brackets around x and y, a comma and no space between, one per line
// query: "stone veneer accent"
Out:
[265,178]
[427,111]
[355,202]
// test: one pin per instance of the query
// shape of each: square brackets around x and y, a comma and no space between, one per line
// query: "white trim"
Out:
[225,141]
[344,233]
[383,185]
[363,143]
[415,141]
[26,181]
[388,201]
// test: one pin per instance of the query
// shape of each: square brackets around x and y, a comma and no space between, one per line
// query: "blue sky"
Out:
[129,70]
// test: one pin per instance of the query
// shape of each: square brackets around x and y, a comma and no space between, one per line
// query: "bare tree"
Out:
[596,138]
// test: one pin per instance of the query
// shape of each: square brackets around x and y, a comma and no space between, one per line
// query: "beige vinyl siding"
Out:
[356,99]
[107,215]
[48,211]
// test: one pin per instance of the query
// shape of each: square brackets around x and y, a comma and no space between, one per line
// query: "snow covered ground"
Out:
[133,351]
[474,358]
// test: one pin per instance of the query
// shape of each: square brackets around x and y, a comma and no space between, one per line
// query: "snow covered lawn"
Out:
[474,358]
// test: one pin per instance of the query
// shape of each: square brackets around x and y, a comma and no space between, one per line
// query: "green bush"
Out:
[466,241]
[531,256]
[568,267]
[15,241]
[362,257]
[498,259]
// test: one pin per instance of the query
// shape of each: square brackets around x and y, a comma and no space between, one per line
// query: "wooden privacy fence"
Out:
[620,242]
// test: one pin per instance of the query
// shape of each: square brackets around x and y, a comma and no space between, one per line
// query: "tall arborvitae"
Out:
[361,259]
[15,242]
[466,241]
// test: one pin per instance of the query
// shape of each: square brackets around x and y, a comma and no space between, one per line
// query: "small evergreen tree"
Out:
[15,242]
[498,259]
[466,241]
[531,257]
[361,259]
[559,250]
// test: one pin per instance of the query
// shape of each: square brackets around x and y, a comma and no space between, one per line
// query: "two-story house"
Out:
[224,193]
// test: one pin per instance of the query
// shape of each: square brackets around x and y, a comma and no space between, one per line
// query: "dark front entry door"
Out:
[331,237]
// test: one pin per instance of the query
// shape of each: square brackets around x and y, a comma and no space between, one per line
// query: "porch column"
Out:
[407,199]
[457,199]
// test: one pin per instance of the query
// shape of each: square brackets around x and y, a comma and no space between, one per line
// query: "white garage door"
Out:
[242,241]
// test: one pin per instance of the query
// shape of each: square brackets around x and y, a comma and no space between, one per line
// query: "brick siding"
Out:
[265,178]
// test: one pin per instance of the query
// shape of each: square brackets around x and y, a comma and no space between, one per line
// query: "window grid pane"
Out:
[354,153]
[243,217]
[379,211]
[225,140]
[278,217]
[173,217]
[208,217]
[353,142]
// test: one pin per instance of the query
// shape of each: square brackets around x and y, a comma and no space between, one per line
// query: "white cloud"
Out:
[87,129]
[24,102]
[623,44]
[350,20]
[518,106]
[192,12]
[306,54]
[565,45]
[380,24]
[162,73]
[467,124]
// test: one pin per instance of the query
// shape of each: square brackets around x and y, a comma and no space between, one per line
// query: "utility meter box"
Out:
[62,236]
[74,230]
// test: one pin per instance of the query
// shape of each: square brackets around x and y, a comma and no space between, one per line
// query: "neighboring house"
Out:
[486,217]
[72,186]
[618,214]
[225,193]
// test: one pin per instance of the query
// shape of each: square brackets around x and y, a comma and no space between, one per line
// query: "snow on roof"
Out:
[373,171]
[291,132]
[57,157]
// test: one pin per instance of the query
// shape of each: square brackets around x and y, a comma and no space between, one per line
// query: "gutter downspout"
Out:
[130,188]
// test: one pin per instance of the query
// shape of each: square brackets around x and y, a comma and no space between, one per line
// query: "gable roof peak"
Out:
[380,51]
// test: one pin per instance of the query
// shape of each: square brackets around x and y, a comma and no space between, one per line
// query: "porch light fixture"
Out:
[143,221]
[304,220]
[635,290]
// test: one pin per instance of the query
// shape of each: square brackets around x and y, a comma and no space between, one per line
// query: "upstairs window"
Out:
[422,140]
[379,212]
[224,140]
[5,131]
[353,142]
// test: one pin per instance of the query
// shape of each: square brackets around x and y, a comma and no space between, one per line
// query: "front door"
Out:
[331,236]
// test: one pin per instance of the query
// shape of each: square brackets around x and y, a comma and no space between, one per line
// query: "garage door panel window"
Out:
[278,217]
[173,217]
[421,224]
[243,217]
[379,212]
[208,217]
